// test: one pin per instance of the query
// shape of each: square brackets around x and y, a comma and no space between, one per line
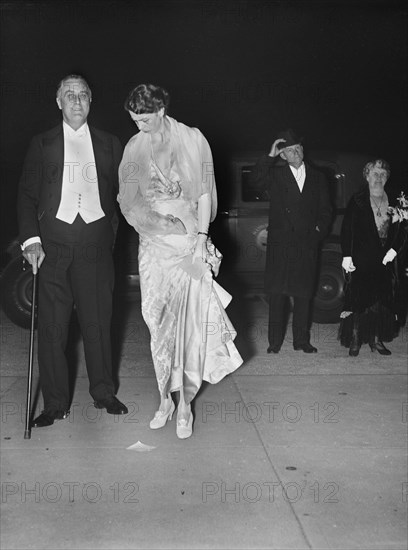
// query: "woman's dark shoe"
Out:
[355,344]
[354,349]
[379,346]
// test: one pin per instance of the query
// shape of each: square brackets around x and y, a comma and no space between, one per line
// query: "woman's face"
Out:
[150,123]
[377,178]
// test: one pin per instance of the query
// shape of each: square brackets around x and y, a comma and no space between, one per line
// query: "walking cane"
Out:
[27,432]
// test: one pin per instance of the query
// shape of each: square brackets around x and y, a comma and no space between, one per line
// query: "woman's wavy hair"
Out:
[147,98]
[377,163]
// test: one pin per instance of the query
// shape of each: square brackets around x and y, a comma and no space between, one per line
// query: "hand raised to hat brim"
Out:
[275,151]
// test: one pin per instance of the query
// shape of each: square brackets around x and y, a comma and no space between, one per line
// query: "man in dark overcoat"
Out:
[66,202]
[300,214]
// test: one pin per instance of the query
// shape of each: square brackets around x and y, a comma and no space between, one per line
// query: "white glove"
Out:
[389,257]
[347,264]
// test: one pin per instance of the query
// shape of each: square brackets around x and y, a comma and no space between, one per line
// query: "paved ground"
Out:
[292,451]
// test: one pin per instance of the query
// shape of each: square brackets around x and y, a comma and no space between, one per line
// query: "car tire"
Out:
[16,292]
[329,297]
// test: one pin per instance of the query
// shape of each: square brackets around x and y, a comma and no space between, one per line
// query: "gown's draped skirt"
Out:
[191,334]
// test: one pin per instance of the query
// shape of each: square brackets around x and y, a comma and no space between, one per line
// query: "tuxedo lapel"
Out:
[101,154]
[290,180]
[290,194]
[53,143]
[54,156]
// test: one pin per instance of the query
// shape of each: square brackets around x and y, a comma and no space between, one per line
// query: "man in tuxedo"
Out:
[299,218]
[66,203]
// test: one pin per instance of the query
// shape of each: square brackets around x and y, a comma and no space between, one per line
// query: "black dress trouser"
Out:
[77,269]
[277,317]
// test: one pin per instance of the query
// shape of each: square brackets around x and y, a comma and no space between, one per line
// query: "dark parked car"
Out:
[239,231]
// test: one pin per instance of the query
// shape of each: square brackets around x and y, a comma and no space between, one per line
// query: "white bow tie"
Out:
[77,133]
[80,132]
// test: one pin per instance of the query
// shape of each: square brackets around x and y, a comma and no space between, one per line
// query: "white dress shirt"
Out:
[300,175]
[80,192]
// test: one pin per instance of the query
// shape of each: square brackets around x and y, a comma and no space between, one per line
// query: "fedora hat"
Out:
[290,138]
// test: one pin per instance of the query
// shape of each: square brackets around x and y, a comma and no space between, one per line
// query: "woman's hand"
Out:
[200,251]
[176,225]
[347,264]
[390,256]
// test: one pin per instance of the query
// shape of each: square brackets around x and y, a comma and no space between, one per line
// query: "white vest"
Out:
[80,191]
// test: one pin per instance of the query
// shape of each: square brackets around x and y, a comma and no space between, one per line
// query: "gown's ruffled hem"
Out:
[191,334]
[225,365]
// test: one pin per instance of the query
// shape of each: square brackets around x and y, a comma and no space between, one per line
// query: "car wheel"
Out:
[16,292]
[328,300]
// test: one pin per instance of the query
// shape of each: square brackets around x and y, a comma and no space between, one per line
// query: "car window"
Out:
[340,172]
[248,191]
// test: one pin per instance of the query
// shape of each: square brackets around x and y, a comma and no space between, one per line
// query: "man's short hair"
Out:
[73,77]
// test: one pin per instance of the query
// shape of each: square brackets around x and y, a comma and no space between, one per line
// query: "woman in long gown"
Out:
[168,194]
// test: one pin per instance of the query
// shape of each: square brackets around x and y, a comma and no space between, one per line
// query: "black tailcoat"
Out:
[41,181]
[78,265]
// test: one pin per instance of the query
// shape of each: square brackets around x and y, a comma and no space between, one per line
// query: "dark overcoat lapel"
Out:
[291,261]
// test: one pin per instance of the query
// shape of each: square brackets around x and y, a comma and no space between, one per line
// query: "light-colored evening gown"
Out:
[191,334]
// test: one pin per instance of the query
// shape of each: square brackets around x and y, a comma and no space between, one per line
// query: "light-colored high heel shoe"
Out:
[160,418]
[184,428]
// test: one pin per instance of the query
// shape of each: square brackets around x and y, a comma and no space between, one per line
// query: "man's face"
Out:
[74,101]
[293,155]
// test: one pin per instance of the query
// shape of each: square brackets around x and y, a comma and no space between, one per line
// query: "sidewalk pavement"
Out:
[292,451]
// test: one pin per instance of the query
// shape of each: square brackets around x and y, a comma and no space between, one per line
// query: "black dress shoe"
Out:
[46,418]
[307,348]
[273,349]
[379,346]
[112,405]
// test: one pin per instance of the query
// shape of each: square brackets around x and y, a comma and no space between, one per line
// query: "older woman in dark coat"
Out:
[370,243]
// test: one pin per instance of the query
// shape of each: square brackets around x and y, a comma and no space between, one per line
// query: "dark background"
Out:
[238,70]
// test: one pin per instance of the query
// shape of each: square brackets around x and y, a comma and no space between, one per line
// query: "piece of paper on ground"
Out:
[141,447]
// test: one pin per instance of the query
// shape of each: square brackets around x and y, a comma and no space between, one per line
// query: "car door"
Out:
[243,226]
